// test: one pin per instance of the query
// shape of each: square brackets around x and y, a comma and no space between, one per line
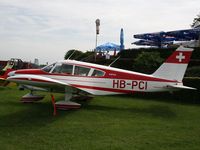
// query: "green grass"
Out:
[105,122]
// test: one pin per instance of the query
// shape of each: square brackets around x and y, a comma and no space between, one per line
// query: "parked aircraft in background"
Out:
[11,65]
[162,39]
[80,78]
[152,43]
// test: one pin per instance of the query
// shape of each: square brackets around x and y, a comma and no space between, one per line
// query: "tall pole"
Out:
[95,51]
[96,42]
[97,22]
[121,39]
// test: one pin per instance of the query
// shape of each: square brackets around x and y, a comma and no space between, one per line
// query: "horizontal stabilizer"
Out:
[181,87]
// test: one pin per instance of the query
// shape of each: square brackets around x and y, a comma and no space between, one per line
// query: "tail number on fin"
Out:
[130,84]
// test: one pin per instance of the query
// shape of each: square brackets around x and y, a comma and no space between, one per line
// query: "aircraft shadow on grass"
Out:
[40,114]
[154,110]
[30,116]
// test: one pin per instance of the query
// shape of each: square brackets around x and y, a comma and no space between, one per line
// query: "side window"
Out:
[81,71]
[66,69]
[97,73]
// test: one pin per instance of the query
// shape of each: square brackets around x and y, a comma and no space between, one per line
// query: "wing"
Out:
[145,42]
[188,34]
[43,82]
[149,36]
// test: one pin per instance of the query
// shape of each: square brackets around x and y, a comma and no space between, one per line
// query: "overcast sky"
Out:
[47,29]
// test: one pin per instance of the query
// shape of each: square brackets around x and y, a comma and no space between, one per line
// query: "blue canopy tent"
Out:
[108,47]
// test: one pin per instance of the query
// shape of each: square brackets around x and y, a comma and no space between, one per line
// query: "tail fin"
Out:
[175,66]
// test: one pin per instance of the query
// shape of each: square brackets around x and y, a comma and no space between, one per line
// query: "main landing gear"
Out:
[62,105]
[31,97]
[67,104]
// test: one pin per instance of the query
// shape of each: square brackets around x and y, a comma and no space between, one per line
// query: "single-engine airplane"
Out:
[75,77]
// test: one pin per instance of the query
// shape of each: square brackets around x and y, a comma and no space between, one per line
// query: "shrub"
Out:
[193,72]
[190,96]
[147,62]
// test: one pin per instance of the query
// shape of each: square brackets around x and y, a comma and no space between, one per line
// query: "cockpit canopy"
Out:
[71,69]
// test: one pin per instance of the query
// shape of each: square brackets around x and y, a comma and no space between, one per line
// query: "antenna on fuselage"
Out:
[114,61]
[71,54]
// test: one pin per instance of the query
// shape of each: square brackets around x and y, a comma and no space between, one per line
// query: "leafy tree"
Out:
[79,55]
[73,54]
[147,62]
[196,21]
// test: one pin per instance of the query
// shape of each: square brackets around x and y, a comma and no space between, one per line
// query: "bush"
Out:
[196,53]
[147,62]
[73,54]
[193,72]
[190,96]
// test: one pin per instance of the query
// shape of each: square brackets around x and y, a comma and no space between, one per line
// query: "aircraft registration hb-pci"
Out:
[80,78]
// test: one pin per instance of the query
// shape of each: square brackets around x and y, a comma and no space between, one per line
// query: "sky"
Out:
[47,29]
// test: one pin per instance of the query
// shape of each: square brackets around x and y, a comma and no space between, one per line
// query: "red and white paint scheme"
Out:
[76,77]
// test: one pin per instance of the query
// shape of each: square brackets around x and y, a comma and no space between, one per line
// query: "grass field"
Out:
[105,122]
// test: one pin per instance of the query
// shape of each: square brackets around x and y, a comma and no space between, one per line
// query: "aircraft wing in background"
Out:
[165,38]
[188,34]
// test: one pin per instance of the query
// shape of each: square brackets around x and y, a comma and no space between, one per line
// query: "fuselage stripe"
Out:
[103,89]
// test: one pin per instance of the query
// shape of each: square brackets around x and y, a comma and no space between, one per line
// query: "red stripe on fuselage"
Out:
[104,89]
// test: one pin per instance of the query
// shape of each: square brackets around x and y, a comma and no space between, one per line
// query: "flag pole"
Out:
[97,22]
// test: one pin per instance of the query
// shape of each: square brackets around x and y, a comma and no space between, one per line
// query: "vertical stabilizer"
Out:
[175,66]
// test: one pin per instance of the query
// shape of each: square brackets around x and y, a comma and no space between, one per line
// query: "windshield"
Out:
[63,68]
[48,68]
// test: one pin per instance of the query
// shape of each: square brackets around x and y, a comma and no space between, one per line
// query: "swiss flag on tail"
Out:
[180,56]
